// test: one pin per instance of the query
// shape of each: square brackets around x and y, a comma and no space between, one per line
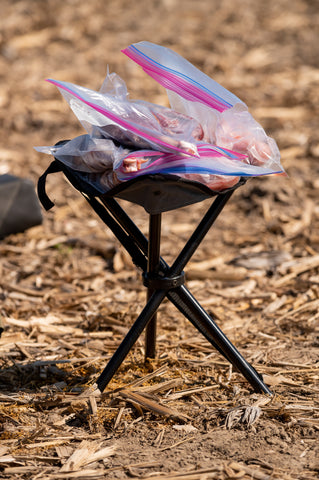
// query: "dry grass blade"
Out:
[226,471]
[135,383]
[242,415]
[191,391]
[151,405]
[84,474]
[8,459]
[300,266]
[87,453]
[158,372]
[177,444]
[161,387]
[312,306]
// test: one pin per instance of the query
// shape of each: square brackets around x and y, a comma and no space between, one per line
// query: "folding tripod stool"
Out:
[157,194]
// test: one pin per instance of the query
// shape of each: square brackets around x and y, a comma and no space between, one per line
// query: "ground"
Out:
[69,292]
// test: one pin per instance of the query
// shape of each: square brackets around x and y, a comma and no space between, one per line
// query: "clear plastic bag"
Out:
[133,124]
[216,167]
[87,154]
[206,116]
[108,164]
[237,130]
[177,74]
[98,157]
[225,119]
[208,136]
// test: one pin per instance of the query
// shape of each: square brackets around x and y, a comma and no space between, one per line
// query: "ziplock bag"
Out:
[224,117]
[88,154]
[108,164]
[237,130]
[217,168]
[134,124]
[209,136]
[150,162]
[212,161]
[98,157]
[175,73]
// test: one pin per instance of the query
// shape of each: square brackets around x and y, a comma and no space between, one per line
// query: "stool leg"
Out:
[153,266]
[199,233]
[189,306]
[131,337]
[181,297]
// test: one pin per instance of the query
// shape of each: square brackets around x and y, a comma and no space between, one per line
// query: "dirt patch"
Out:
[69,292]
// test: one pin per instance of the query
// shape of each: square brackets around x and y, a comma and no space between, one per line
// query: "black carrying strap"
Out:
[54,167]
[77,179]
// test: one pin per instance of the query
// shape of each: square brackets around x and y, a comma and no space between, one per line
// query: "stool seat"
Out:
[161,193]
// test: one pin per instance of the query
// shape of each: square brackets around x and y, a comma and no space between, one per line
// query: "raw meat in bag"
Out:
[225,119]
[136,124]
[207,136]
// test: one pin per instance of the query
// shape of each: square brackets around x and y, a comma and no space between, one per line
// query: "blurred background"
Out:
[68,289]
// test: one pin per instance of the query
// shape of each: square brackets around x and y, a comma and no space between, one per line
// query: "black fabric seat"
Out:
[157,194]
